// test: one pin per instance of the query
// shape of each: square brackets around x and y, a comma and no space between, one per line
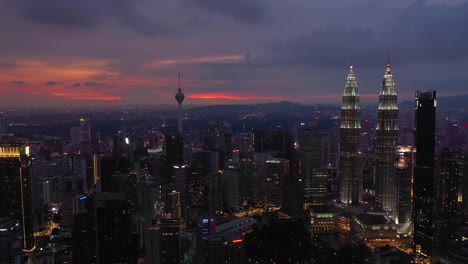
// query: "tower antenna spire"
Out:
[179,96]
[179,81]
[389,70]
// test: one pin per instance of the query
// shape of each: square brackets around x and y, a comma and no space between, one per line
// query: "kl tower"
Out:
[179,96]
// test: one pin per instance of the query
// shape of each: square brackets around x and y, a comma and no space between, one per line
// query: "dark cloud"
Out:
[51,83]
[76,85]
[248,11]
[420,34]
[88,14]
[17,82]
[6,65]
[97,84]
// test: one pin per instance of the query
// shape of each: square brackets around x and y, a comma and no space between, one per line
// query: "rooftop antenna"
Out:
[179,81]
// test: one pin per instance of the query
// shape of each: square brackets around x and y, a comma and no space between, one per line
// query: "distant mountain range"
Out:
[449,102]
[267,108]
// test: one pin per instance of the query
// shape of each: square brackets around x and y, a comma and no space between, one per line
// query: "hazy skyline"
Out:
[57,53]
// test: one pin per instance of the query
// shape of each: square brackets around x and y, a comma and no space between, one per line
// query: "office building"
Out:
[349,176]
[231,185]
[2,124]
[174,148]
[276,177]
[169,244]
[424,182]
[402,215]
[314,176]
[224,248]
[10,244]
[102,229]
[16,191]
[447,204]
[387,134]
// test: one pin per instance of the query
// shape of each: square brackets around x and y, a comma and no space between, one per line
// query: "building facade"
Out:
[447,200]
[350,180]
[16,191]
[424,181]
[387,134]
[404,163]
[314,177]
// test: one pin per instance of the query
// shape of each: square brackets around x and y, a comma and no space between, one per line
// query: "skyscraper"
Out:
[169,245]
[174,148]
[85,130]
[277,174]
[103,230]
[350,181]
[16,187]
[179,96]
[386,140]
[404,157]
[2,124]
[423,184]
[447,184]
[231,185]
[315,177]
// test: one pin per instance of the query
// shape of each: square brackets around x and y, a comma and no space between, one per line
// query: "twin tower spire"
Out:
[349,170]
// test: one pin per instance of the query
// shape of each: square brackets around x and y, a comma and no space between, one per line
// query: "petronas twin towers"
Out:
[350,180]
[387,133]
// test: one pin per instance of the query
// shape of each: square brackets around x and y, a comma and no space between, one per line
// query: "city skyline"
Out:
[250,52]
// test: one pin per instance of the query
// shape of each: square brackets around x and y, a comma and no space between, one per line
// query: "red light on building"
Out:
[236,241]
[465,125]
[367,120]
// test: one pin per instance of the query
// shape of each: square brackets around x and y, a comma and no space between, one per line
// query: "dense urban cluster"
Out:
[273,183]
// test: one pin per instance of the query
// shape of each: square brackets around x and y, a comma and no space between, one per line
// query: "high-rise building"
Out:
[85,137]
[230,180]
[2,124]
[179,96]
[174,147]
[247,180]
[424,183]
[170,241]
[224,248]
[447,203]
[314,177]
[195,198]
[276,176]
[404,157]
[103,229]
[75,135]
[10,245]
[227,144]
[463,192]
[386,140]
[16,199]
[350,180]
[214,193]
[85,130]
[162,242]
[260,164]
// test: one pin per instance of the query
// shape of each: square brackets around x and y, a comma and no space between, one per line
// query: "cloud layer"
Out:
[130,52]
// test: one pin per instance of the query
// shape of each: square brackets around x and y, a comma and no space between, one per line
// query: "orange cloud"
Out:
[37,70]
[86,95]
[210,59]
[232,96]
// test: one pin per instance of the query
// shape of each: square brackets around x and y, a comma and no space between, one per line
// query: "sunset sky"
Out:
[117,52]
